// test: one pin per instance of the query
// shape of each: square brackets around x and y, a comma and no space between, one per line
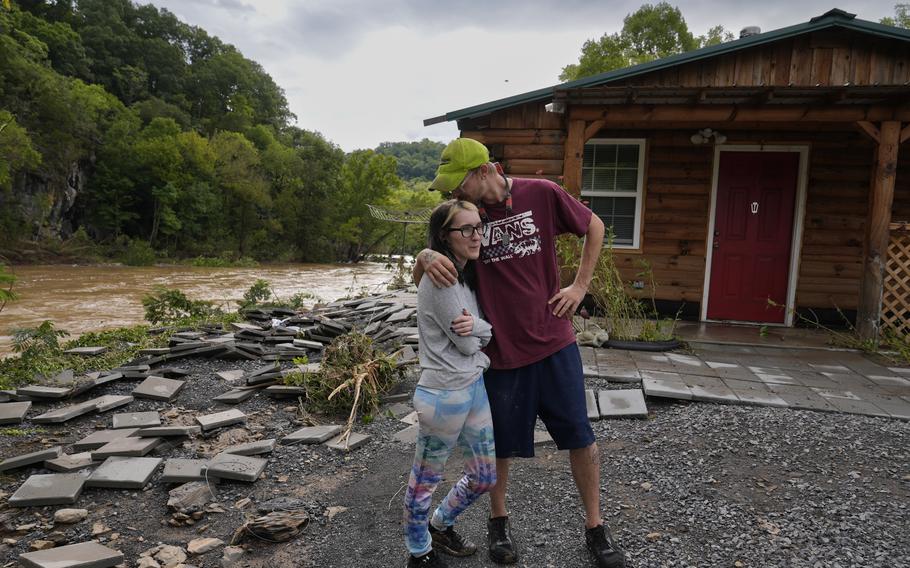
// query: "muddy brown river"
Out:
[91,298]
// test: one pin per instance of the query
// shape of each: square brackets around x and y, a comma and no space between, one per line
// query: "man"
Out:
[535,363]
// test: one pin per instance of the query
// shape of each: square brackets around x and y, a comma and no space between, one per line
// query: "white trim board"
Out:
[796,240]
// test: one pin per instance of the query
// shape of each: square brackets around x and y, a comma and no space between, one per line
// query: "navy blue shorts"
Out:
[554,390]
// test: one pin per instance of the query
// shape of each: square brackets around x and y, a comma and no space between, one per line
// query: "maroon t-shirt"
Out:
[517,272]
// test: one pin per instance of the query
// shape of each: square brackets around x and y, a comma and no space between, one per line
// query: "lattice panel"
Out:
[896,293]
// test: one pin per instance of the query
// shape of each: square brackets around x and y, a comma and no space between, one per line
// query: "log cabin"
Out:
[764,168]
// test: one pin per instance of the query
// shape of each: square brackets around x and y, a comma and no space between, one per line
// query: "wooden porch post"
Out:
[572,159]
[878,219]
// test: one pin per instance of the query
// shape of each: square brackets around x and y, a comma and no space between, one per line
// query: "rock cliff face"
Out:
[46,203]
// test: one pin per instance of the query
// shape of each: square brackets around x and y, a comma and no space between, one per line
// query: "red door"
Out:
[753,229]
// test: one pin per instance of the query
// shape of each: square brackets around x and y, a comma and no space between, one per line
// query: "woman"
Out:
[450,399]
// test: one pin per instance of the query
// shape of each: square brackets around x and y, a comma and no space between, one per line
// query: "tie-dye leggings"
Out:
[447,418]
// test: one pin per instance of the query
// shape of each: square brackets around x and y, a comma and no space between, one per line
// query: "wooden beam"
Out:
[870,129]
[878,221]
[905,133]
[593,128]
[575,150]
[732,113]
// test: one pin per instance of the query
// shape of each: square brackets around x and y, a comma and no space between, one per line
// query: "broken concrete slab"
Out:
[656,386]
[236,396]
[129,447]
[158,388]
[195,494]
[82,555]
[626,402]
[66,413]
[168,431]
[70,463]
[231,376]
[13,412]
[41,391]
[591,405]
[110,402]
[354,441]
[124,472]
[136,419]
[88,351]
[50,489]
[219,419]
[97,439]
[31,458]
[252,448]
[312,434]
[179,470]
[236,467]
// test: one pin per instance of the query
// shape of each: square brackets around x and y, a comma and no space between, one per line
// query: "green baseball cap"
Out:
[459,157]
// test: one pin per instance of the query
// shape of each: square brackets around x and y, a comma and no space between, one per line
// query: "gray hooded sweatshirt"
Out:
[447,360]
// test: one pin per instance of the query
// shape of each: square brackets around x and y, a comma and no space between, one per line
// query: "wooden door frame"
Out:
[799,208]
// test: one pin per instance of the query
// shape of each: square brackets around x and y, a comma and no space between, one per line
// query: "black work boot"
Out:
[600,544]
[429,560]
[451,542]
[499,538]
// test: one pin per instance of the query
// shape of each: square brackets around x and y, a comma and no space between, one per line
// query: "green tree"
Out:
[16,150]
[416,160]
[652,32]
[241,186]
[901,17]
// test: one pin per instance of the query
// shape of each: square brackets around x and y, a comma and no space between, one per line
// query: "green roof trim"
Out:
[835,18]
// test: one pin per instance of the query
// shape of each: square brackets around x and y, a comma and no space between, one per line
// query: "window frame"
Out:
[639,189]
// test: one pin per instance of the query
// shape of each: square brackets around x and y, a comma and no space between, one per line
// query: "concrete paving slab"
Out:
[399,409]
[687,362]
[158,388]
[889,380]
[625,402]
[136,419]
[307,344]
[588,361]
[252,448]
[618,374]
[410,418]
[832,393]
[236,467]
[900,370]
[591,405]
[97,439]
[408,435]
[813,379]
[124,472]
[41,391]
[30,458]
[69,463]
[110,402]
[168,431]
[895,406]
[708,389]
[128,447]
[231,376]
[354,441]
[65,413]
[82,555]
[285,390]
[50,489]
[312,434]
[235,396]
[666,388]
[757,397]
[829,368]
[542,437]
[179,470]
[851,406]
[219,419]
[801,397]
[88,351]
[13,412]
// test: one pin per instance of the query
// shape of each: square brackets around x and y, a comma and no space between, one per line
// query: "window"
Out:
[611,183]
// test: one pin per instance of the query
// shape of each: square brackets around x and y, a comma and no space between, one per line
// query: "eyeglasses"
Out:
[468,231]
[459,187]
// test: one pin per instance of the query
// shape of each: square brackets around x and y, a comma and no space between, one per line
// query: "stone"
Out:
[219,419]
[109,402]
[65,413]
[50,489]
[130,447]
[124,472]
[158,388]
[354,441]
[13,412]
[231,556]
[70,516]
[312,434]
[235,396]
[408,435]
[97,439]
[70,463]
[180,470]
[31,458]
[203,545]
[82,555]
[236,467]
[252,448]
[42,545]
[168,431]
[41,391]
[195,494]
[147,562]
[626,402]
[89,351]
[169,556]
[591,405]
[231,376]
[136,419]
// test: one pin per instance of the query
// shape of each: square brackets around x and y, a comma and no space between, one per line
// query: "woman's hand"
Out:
[464,324]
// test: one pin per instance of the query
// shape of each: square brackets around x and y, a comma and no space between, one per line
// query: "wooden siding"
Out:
[827,58]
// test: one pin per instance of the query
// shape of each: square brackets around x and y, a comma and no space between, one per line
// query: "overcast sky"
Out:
[363,72]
